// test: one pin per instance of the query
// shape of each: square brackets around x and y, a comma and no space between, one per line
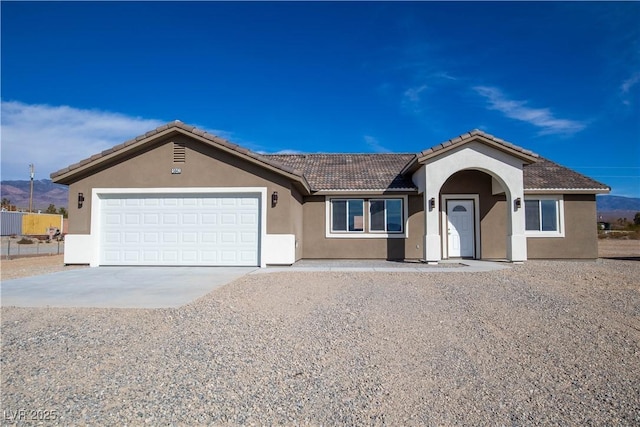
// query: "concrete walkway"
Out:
[160,287]
[118,287]
[445,266]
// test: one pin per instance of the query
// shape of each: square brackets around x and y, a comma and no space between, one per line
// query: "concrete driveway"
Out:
[118,287]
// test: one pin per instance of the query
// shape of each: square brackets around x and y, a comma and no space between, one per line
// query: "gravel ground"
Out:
[33,266]
[547,342]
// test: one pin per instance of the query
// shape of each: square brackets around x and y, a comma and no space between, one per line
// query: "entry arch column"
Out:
[506,169]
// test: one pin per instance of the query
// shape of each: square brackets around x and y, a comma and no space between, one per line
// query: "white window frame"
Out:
[347,200]
[385,231]
[366,233]
[559,216]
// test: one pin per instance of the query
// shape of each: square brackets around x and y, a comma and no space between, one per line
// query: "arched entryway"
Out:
[474,216]
[500,168]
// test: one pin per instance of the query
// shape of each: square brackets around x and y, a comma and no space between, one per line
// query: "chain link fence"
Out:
[17,247]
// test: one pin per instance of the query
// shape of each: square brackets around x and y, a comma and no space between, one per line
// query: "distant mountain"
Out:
[45,193]
[617,203]
[612,208]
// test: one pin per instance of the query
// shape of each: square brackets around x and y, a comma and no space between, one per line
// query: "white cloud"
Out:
[411,98]
[375,145]
[542,118]
[626,85]
[413,94]
[53,137]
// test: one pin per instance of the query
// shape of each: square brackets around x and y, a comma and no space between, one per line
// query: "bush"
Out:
[25,241]
[620,234]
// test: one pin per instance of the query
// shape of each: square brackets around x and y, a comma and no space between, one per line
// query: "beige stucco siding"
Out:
[580,238]
[297,217]
[204,166]
[317,245]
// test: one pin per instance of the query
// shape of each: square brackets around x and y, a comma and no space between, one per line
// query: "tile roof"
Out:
[465,137]
[547,175]
[350,171]
[380,171]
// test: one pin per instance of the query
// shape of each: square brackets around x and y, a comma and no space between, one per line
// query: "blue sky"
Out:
[561,79]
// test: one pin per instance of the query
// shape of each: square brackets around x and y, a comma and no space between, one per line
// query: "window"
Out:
[347,215]
[544,216]
[386,215]
[366,217]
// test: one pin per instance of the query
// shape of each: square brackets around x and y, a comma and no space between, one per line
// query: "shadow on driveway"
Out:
[118,287]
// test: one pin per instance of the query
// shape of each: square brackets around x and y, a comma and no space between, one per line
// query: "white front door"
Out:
[460,228]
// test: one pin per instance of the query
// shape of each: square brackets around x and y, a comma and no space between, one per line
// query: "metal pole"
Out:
[31,173]
[9,249]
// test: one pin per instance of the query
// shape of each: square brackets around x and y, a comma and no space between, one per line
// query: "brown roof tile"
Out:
[547,175]
[461,139]
[326,172]
[350,171]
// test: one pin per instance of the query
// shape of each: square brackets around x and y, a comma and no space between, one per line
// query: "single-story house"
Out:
[180,196]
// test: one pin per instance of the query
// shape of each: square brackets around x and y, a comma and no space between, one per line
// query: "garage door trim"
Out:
[98,193]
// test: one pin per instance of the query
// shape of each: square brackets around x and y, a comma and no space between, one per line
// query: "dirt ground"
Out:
[618,248]
[32,266]
[551,343]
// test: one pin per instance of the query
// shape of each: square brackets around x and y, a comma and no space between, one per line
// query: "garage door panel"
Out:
[132,219]
[228,219]
[170,237]
[200,230]
[131,238]
[131,256]
[151,256]
[190,219]
[170,257]
[189,256]
[151,218]
[209,256]
[112,237]
[114,219]
[208,237]
[209,219]
[191,237]
[170,219]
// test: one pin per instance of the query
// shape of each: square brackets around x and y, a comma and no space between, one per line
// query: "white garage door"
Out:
[199,229]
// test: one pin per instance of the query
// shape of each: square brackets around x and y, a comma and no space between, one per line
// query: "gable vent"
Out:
[179,152]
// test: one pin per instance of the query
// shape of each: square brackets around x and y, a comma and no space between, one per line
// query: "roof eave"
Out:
[65,176]
[567,190]
[524,155]
[365,191]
